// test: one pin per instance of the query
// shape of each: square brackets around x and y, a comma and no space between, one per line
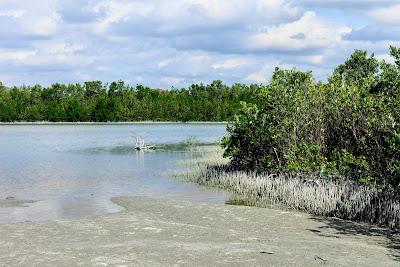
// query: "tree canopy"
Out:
[118,101]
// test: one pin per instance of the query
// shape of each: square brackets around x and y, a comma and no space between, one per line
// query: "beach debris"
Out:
[266,252]
[316,257]
[140,144]
[11,201]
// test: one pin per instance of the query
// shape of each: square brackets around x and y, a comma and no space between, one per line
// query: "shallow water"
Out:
[73,170]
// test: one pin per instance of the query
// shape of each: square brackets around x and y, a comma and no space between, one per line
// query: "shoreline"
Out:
[113,123]
[304,192]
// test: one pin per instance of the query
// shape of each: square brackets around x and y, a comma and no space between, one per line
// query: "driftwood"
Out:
[140,144]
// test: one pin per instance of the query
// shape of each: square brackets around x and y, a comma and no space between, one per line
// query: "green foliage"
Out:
[395,53]
[348,126]
[95,101]
[359,70]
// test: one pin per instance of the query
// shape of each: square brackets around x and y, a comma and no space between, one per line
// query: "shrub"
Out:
[348,126]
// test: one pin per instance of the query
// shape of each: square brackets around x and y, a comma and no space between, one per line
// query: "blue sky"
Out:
[179,42]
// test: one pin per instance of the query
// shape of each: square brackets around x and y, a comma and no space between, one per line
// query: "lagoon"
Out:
[73,171]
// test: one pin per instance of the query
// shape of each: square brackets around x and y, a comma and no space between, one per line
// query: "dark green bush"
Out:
[348,126]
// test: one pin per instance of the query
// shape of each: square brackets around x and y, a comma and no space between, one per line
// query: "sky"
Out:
[174,43]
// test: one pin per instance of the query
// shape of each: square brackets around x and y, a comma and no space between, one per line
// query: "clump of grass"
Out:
[334,196]
[191,141]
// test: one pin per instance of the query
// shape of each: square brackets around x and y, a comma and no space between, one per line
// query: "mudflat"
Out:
[11,202]
[157,232]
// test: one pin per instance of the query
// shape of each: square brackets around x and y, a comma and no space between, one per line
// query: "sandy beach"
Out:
[157,232]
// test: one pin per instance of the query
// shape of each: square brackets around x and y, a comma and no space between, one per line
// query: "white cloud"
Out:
[390,14]
[349,5]
[16,13]
[230,64]
[16,55]
[102,68]
[26,18]
[44,26]
[316,34]
[177,42]
[172,81]
[385,57]
[262,75]
[258,77]
[63,48]
[178,17]
[117,11]
[83,76]
[164,63]
[313,59]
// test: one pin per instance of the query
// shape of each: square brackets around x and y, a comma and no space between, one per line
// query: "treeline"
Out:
[346,127]
[118,101]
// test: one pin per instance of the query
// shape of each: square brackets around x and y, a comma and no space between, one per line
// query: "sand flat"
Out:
[156,232]
[12,202]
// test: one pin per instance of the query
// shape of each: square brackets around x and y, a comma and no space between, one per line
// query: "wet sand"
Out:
[11,202]
[156,232]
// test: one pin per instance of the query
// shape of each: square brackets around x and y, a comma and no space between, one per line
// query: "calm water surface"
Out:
[74,170]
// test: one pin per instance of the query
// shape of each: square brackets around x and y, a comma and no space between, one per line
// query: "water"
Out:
[73,170]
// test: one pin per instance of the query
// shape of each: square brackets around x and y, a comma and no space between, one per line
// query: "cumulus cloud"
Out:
[230,64]
[312,34]
[389,14]
[21,23]
[177,42]
[195,17]
[219,26]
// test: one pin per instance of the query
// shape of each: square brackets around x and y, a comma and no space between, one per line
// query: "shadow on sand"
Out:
[385,237]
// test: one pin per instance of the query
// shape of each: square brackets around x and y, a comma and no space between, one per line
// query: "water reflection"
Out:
[74,171]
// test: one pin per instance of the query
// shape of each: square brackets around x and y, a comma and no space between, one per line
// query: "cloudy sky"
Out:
[164,43]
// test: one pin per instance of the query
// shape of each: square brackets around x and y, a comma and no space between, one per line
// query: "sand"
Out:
[157,232]
[11,202]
